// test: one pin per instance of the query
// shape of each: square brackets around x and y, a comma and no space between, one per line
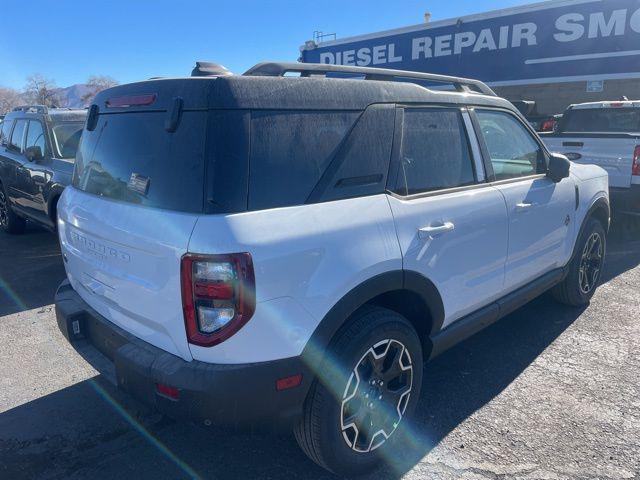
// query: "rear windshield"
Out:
[130,157]
[602,120]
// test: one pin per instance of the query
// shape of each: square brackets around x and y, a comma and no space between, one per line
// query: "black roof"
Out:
[269,91]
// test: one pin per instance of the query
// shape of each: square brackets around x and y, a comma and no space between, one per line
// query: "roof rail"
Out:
[278,69]
[32,109]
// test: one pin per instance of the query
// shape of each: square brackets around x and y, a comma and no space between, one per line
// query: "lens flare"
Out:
[408,443]
[148,436]
[13,296]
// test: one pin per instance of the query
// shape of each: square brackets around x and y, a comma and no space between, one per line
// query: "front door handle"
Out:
[432,231]
[522,207]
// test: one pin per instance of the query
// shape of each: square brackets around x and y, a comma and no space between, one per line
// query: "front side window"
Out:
[435,152]
[35,136]
[17,136]
[513,150]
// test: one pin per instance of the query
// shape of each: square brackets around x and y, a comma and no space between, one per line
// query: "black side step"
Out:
[474,322]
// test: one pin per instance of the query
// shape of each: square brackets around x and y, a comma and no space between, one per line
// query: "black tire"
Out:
[370,333]
[10,222]
[574,289]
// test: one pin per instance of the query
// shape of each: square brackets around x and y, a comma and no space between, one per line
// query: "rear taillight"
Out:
[548,125]
[635,169]
[218,296]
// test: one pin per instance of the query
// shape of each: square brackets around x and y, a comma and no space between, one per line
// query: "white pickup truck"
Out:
[605,134]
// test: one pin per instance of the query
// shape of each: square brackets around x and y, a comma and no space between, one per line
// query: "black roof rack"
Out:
[32,109]
[278,69]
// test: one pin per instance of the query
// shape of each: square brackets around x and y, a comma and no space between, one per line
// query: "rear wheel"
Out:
[586,267]
[365,395]
[9,221]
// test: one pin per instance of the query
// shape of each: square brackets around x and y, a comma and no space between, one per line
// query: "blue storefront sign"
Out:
[547,42]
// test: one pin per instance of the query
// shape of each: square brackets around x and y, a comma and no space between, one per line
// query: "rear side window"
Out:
[17,137]
[601,120]
[130,157]
[289,153]
[435,152]
[5,132]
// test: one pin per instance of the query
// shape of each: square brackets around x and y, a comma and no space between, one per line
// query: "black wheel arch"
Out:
[601,211]
[52,202]
[406,292]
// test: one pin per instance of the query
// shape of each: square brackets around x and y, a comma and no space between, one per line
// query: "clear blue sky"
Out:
[135,39]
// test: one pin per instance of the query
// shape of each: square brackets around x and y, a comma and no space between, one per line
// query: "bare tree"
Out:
[9,98]
[42,91]
[96,84]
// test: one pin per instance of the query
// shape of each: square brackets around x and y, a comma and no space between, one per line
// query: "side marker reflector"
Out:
[288,382]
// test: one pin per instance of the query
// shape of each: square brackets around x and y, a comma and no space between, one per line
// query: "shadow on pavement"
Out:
[30,269]
[92,430]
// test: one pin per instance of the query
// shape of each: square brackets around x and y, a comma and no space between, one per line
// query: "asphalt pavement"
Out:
[549,392]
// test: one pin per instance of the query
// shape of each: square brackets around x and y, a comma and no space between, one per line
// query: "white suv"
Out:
[268,249]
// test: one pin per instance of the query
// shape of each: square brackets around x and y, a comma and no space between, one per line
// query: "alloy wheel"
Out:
[376,395]
[590,263]
[4,210]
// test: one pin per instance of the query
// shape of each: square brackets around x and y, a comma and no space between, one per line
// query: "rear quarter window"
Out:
[130,157]
[290,152]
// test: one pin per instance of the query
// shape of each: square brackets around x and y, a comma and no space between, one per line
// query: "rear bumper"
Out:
[242,395]
[626,200]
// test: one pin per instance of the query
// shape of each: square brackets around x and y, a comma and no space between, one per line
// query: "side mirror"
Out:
[34,153]
[559,166]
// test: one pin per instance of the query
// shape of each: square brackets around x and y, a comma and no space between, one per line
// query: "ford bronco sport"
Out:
[270,249]
[37,149]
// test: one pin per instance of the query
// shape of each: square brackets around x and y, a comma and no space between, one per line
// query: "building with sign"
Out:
[556,53]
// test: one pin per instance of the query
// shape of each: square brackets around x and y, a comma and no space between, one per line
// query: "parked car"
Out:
[605,134]
[540,123]
[266,249]
[37,150]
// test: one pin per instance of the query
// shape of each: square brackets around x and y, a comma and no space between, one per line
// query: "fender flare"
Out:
[600,203]
[54,194]
[390,281]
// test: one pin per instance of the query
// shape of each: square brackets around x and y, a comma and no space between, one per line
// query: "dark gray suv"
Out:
[37,151]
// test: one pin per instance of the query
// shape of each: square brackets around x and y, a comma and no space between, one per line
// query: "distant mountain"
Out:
[72,96]
[68,96]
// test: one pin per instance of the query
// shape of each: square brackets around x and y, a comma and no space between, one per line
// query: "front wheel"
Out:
[364,395]
[585,268]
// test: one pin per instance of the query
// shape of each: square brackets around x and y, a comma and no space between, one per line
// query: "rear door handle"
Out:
[432,231]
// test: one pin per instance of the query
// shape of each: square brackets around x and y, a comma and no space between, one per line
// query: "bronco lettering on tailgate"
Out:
[98,249]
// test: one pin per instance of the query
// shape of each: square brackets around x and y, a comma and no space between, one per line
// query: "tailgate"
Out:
[138,189]
[613,153]
[124,261]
